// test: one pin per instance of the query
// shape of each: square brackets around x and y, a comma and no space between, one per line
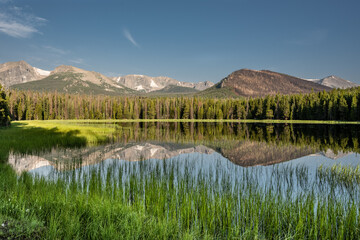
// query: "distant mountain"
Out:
[70,79]
[172,90]
[149,84]
[12,73]
[334,82]
[253,83]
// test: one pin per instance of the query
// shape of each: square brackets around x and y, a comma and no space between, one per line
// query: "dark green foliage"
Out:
[22,228]
[4,109]
[334,105]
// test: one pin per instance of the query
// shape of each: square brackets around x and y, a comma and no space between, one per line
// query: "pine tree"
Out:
[200,113]
[269,113]
[210,113]
[259,109]
[219,114]
[343,108]
[152,110]
[186,111]
[4,109]
[353,109]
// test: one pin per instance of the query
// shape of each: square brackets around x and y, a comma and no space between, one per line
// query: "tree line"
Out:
[334,105]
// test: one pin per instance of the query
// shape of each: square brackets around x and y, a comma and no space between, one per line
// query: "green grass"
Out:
[143,200]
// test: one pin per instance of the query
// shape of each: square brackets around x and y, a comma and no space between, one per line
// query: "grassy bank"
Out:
[166,200]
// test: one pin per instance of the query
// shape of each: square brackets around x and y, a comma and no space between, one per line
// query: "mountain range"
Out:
[245,83]
[149,84]
[334,82]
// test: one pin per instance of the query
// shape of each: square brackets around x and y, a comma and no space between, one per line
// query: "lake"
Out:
[238,144]
[229,148]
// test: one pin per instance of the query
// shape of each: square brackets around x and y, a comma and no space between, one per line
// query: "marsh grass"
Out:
[182,199]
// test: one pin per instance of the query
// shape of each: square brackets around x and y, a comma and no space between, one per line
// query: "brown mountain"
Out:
[253,83]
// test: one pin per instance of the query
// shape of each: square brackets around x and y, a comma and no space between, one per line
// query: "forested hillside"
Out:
[334,105]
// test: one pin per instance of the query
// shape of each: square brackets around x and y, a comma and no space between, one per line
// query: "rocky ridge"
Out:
[149,84]
[12,73]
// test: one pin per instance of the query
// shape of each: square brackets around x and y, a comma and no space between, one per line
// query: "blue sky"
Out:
[195,40]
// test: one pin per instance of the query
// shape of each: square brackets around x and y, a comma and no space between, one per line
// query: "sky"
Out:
[192,41]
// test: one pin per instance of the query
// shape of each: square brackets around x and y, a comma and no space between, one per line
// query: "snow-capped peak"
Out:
[311,79]
[41,72]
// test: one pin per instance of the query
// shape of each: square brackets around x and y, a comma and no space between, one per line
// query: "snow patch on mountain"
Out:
[42,72]
[153,84]
[138,88]
[149,84]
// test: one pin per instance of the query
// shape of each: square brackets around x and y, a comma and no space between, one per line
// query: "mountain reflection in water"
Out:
[245,145]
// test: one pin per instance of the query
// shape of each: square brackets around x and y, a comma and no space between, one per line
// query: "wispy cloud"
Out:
[17,23]
[77,61]
[56,50]
[310,37]
[129,37]
[113,74]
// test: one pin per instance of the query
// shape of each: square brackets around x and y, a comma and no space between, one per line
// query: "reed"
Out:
[181,198]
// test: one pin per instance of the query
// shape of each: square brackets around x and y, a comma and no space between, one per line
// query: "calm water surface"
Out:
[225,145]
